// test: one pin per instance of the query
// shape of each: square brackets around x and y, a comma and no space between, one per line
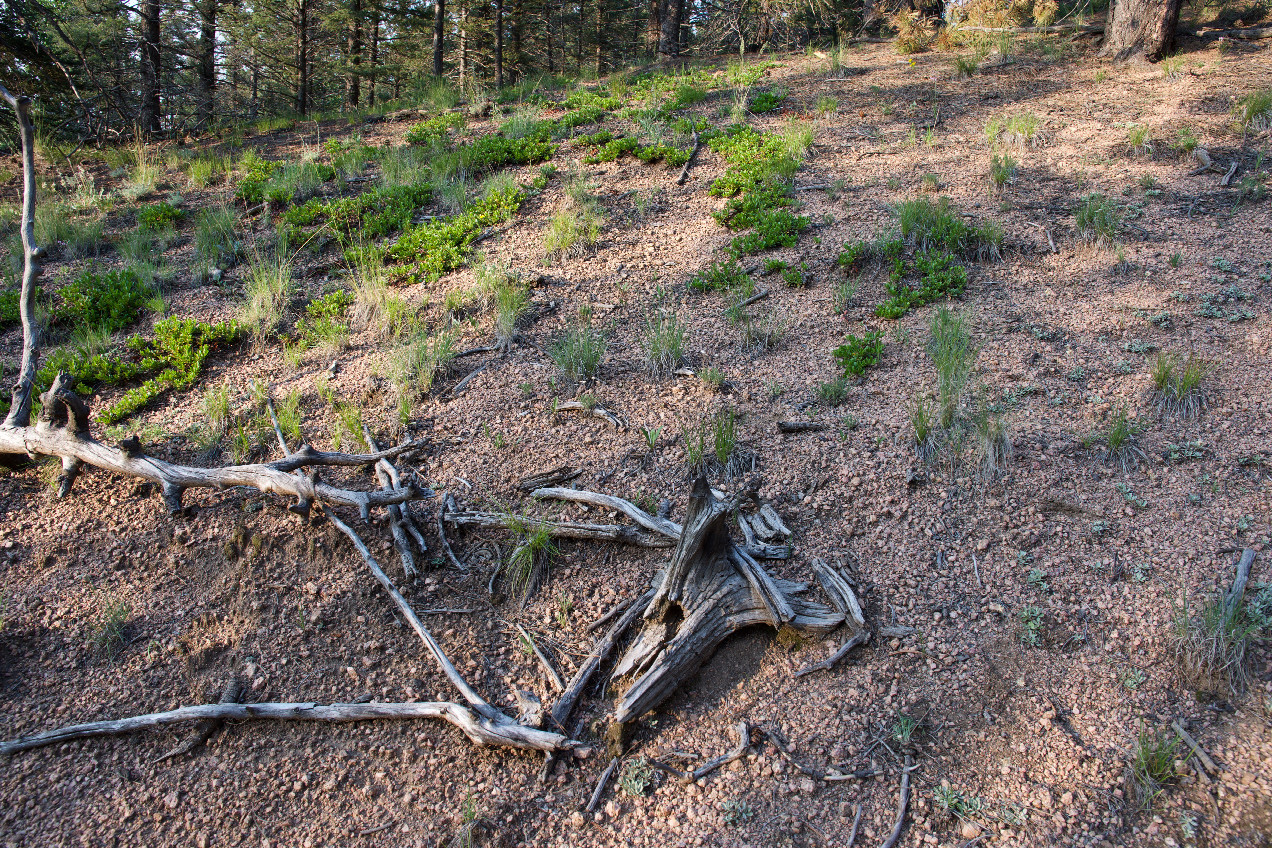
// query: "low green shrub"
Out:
[158,217]
[434,129]
[108,301]
[858,353]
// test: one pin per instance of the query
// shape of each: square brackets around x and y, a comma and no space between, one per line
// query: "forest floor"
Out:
[1042,600]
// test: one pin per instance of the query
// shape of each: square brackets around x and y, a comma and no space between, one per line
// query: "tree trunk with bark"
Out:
[353,87]
[150,67]
[1141,29]
[439,35]
[375,54]
[669,37]
[205,109]
[653,26]
[499,63]
[302,57]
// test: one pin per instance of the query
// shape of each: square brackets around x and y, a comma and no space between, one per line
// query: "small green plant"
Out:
[650,435]
[844,293]
[108,302]
[826,105]
[421,360]
[636,778]
[1016,132]
[957,803]
[579,351]
[953,355]
[858,353]
[528,563]
[1002,170]
[323,324]
[1037,578]
[833,393]
[1119,438]
[1132,679]
[267,287]
[565,607]
[736,811]
[107,633]
[1139,140]
[1186,141]
[924,429]
[1153,763]
[712,377]
[1031,621]
[1254,111]
[1177,384]
[664,344]
[1098,219]
[158,217]
[965,67]
[214,237]
[904,729]
[992,439]
[1212,643]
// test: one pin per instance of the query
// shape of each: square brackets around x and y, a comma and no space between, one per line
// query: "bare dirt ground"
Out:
[1039,735]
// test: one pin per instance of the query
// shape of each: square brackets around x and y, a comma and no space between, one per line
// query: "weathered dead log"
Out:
[555,477]
[709,590]
[1236,594]
[600,652]
[63,431]
[665,526]
[560,529]
[401,524]
[902,804]
[203,730]
[599,791]
[448,504]
[658,524]
[498,728]
[480,730]
[744,743]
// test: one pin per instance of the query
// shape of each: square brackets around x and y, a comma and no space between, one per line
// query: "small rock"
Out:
[576,819]
[970,830]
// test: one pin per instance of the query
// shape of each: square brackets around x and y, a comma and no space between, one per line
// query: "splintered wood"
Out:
[711,589]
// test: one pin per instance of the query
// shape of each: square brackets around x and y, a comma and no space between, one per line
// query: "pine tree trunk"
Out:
[669,38]
[302,57]
[518,58]
[463,43]
[206,80]
[600,37]
[1141,29]
[499,74]
[375,55]
[353,91]
[150,67]
[439,35]
[653,27]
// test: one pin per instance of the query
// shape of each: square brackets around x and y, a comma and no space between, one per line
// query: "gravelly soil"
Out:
[1040,735]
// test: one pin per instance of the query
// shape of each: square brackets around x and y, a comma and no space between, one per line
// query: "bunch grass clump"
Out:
[664,344]
[1098,219]
[1016,132]
[578,353]
[1177,384]
[1254,111]
[1153,763]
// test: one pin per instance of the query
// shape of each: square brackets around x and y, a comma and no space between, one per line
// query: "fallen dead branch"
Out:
[744,744]
[693,154]
[594,411]
[595,800]
[1202,757]
[448,503]
[559,529]
[903,804]
[557,683]
[480,730]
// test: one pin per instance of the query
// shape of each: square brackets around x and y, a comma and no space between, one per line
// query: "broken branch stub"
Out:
[711,589]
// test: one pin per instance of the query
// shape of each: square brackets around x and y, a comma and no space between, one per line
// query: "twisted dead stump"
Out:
[711,589]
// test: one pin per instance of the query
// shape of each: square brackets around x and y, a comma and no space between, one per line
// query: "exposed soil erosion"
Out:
[1019,603]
